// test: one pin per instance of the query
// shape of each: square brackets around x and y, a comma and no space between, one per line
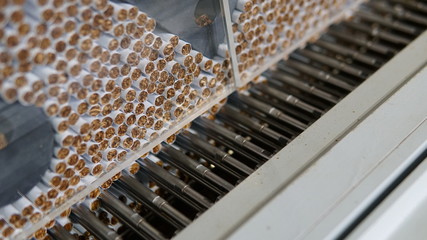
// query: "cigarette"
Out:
[158,42]
[154,55]
[9,92]
[130,57]
[129,94]
[238,16]
[115,93]
[11,213]
[121,156]
[36,196]
[7,230]
[170,57]
[186,89]
[84,172]
[74,180]
[109,154]
[102,146]
[223,50]
[59,200]
[157,149]
[24,206]
[121,130]
[26,96]
[65,110]
[128,107]
[186,61]
[80,164]
[106,123]
[130,119]
[63,185]
[102,73]
[72,158]
[40,233]
[94,110]
[96,158]
[106,109]
[124,82]
[114,142]
[95,169]
[96,192]
[137,45]
[68,194]
[58,165]
[108,166]
[92,148]
[80,149]
[35,216]
[60,125]
[117,103]
[51,192]
[244,5]
[183,47]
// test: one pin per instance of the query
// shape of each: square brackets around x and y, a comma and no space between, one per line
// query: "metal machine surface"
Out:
[326,143]
[325,182]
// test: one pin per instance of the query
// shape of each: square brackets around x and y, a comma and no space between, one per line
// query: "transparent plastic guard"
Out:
[191,37]
[264,33]
[149,66]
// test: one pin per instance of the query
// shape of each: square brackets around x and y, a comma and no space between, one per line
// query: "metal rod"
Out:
[399,26]
[318,74]
[349,53]
[376,31]
[58,232]
[288,98]
[267,109]
[398,12]
[376,47]
[233,113]
[232,137]
[128,216]
[294,82]
[419,6]
[255,137]
[144,194]
[211,152]
[175,183]
[198,168]
[87,219]
[323,59]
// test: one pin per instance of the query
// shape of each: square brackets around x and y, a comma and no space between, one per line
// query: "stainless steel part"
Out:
[191,179]
[281,183]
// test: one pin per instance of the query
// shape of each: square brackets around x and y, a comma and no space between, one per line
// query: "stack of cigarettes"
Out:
[109,82]
[262,28]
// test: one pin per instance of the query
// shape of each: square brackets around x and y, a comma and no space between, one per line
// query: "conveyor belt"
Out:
[164,193]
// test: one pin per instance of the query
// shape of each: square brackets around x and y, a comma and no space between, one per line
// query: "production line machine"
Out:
[327,143]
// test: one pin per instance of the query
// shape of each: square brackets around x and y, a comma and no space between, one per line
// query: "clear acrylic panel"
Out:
[266,31]
[87,87]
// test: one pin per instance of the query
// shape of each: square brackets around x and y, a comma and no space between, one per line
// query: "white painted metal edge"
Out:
[302,210]
[379,180]
[241,203]
[387,171]
[403,212]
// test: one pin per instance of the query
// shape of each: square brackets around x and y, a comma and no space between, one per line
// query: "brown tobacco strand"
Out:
[107,79]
